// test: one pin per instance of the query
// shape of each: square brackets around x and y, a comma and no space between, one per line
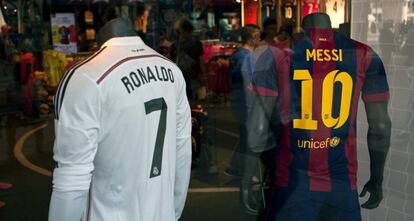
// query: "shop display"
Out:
[64,33]
[218,75]
[336,11]
[268,9]
[44,99]
[309,7]
[54,64]
[216,56]
[250,12]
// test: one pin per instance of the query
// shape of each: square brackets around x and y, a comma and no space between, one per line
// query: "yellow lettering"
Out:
[324,55]
[327,98]
[319,54]
[347,85]
[322,144]
[300,143]
[310,55]
[318,144]
[309,144]
[306,121]
[335,56]
[327,55]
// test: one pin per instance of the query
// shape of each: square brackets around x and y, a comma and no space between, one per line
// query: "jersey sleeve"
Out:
[375,87]
[183,155]
[76,129]
[264,76]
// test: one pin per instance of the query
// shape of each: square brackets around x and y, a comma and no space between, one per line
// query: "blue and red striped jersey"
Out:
[318,81]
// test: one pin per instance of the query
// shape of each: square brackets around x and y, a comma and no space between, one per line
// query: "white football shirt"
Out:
[123,137]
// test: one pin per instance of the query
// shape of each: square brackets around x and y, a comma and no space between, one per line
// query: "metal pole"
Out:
[279,17]
[242,13]
[259,14]
[19,17]
[298,14]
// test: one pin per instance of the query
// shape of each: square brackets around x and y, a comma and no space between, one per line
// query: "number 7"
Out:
[310,8]
[151,106]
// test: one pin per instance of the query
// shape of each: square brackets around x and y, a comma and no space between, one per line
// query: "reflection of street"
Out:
[373,40]
[210,197]
[398,178]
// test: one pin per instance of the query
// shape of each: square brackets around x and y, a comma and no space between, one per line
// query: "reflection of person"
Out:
[316,162]
[190,55]
[386,40]
[270,30]
[9,46]
[123,134]
[64,35]
[27,78]
[3,36]
[285,32]
[270,33]
[243,161]
[408,49]
[72,33]
[140,14]
[164,45]
[235,33]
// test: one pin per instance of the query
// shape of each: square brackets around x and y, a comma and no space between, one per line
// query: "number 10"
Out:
[306,121]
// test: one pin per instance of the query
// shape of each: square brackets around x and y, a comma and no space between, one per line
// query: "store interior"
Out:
[56,34]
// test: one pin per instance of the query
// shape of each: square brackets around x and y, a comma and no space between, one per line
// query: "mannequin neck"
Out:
[316,20]
[118,27]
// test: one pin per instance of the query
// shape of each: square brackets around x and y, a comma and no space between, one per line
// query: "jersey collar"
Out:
[123,41]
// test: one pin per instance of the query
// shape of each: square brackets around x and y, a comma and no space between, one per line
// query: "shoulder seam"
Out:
[60,93]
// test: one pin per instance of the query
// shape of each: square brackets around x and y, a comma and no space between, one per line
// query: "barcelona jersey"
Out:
[318,82]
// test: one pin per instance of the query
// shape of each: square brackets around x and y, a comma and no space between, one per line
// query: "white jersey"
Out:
[123,137]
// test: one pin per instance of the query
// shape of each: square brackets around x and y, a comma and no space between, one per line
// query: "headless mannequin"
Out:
[72,204]
[378,120]
[379,131]
[316,20]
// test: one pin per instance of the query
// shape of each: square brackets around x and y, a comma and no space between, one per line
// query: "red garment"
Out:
[27,81]
[218,76]
[72,34]
[212,68]
[26,67]
[28,90]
